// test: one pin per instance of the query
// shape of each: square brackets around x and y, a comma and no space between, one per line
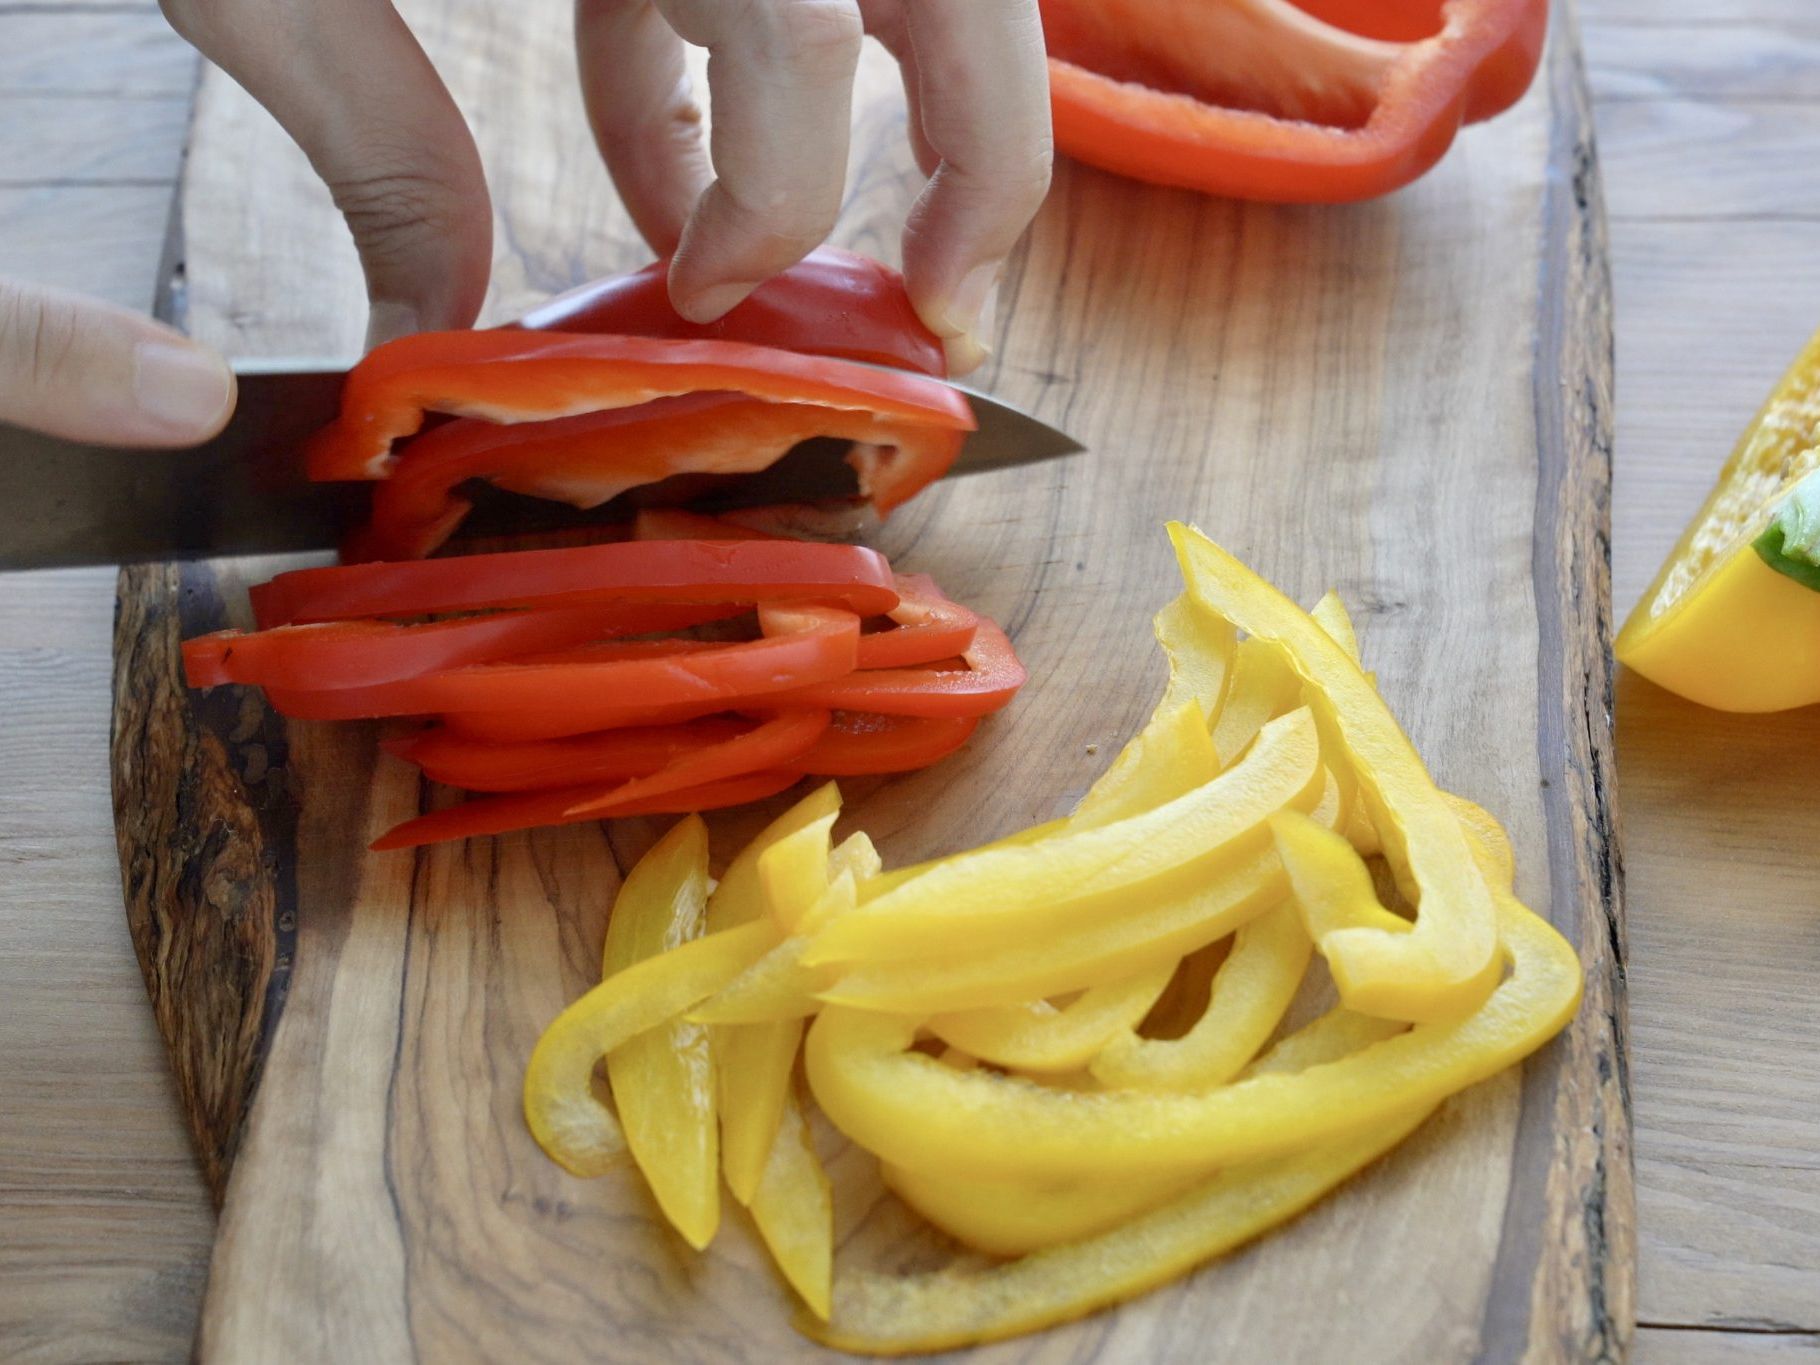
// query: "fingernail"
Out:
[183,387]
[714,302]
[387,321]
[968,319]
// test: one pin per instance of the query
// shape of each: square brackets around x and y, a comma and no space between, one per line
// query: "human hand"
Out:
[350,83]
[88,371]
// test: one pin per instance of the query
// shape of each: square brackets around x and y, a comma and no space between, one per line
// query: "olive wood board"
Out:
[1407,400]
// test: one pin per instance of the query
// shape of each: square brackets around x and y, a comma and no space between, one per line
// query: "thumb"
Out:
[88,371]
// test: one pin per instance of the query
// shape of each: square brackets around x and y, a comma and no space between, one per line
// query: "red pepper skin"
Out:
[610,685]
[832,303]
[772,746]
[930,628]
[521,376]
[656,572]
[989,681]
[1477,64]
[335,654]
[530,810]
[607,756]
[859,743]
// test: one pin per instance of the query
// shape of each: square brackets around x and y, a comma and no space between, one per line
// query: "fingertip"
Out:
[183,392]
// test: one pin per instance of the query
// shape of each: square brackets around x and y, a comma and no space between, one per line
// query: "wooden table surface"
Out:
[1709,130]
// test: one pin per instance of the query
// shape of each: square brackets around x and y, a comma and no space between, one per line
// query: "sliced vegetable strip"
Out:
[859,742]
[676,571]
[772,746]
[607,756]
[1038,1036]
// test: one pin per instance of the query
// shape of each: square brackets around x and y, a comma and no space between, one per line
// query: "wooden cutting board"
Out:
[1407,400]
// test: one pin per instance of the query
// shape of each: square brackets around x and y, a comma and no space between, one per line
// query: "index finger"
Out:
[984,101]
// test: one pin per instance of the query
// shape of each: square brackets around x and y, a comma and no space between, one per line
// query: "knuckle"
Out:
[38,338]
[395,211]
[806,32]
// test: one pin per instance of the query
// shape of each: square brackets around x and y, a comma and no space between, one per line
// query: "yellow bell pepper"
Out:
[753,1063]
[1150,932]
[1037,1036]
[914,1113]
[1252,991]
[780,985]
[1733,618]
[663,1079]
[794,872]
[793,1207]
[1002,896]
[1263,688]
[1448,964]
[880,1314]
[572,1126]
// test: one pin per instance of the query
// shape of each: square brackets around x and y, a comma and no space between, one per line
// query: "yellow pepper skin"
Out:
[917,1114]
[1003,896]
[1252,991]
[1719,626]
[753,1063]
[1447,965]
[1149,932]
[881,1314]
[793,1207]
[1037,1036]
[780,985]
[663,1079]
[573,1127]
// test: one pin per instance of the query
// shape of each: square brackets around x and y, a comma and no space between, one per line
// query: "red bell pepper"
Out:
[530,810]
[610,685]
[859,743]
[990,678]
[1318,101]
[606,756]
[678,571]
[832,302]
[773,746]
[335,654]
[929,628]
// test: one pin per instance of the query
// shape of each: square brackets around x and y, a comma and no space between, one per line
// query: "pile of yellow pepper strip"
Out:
[982,1023]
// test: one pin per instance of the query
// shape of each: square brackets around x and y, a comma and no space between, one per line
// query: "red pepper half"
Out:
[699,572]
[530,810]
[832,302]
[1323,101]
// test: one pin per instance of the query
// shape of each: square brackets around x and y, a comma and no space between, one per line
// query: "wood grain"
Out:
[1333,393]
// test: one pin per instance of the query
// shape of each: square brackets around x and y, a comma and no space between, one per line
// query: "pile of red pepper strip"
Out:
[548,706]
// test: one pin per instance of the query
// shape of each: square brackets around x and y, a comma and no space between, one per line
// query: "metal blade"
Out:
[64,502]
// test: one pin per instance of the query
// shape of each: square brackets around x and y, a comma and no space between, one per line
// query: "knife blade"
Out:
[243,492]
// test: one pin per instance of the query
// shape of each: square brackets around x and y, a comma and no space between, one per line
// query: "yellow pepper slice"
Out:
[1160,930]
[1037,1036]
[1167,759]
[1448,964]
[793,1207]
[1000,897]
[1263,688]
[738,897]
[663,1079]
[572,1126]
[882,1314]
[780,985]
[794,872]
[1252,991]
[915,1113]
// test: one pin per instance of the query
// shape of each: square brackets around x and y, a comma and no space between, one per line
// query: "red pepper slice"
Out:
[989,681]
[772,746]
[678,523]
[610,685]
[929,628]
[456,760]
[529,810]
[336,654]
[654,572]
[520,376]
[586,460]
[1319,101]
[859,743]
[832,302]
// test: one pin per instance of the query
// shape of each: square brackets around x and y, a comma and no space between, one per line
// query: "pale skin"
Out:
[351,85]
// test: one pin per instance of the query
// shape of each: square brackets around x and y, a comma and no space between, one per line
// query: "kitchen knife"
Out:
[64,502]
